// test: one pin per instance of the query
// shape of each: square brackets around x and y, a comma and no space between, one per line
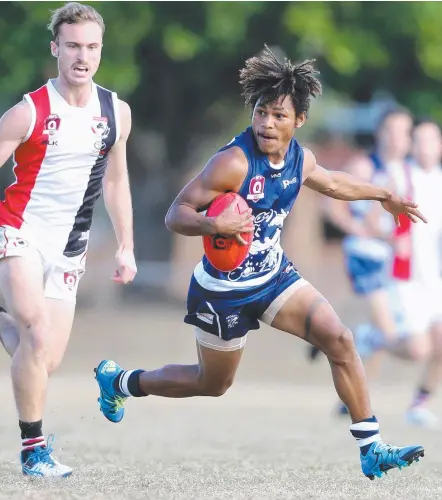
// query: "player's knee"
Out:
[32,321]
[34,332]
[215,388]
[340,346]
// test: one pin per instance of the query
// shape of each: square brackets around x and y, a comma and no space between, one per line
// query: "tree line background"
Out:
[177,63]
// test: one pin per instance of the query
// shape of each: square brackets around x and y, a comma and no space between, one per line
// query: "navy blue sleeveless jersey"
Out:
[270,191]
[228,305]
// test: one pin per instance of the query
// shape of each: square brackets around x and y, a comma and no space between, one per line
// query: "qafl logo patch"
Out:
[256,188]
[51,124]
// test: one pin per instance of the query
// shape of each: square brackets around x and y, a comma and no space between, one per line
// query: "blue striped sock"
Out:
[366,433]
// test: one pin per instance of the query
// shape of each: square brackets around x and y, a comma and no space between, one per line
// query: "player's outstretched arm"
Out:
[224,172]
[15,126]
[343,186]
[118,200]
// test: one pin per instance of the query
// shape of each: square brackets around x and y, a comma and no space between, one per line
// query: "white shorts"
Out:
[416,306]
[211,341]
[61,274]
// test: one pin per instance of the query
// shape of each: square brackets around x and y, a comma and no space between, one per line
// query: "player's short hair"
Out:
[265,76]
[73,13]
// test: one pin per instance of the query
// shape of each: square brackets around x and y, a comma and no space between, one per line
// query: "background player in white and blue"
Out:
[266,165]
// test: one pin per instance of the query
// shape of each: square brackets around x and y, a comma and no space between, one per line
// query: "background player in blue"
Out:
[265,165]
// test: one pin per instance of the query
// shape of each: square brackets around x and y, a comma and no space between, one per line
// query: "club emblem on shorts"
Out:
[256,188]
[70,279]
[19,242]
[51,124]
[232,320]
[100,127]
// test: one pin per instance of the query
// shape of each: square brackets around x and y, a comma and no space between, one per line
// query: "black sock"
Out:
[128,383]
[31,430]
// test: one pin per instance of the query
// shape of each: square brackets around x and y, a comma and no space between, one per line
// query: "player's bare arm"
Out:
[118,200]
[224,172]
[14,126]
[343,186]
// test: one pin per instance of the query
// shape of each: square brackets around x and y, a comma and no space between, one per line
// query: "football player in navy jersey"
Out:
[223,307]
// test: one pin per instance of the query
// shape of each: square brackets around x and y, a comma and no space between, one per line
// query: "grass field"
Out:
[272,436]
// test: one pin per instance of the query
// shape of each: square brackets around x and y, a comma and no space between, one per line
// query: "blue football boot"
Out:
[381,457]
[111,401]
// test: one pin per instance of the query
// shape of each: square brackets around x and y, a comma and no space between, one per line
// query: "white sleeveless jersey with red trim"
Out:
[59,167]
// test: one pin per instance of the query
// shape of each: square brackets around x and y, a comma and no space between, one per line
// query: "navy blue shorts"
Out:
[232,314]
[366,275]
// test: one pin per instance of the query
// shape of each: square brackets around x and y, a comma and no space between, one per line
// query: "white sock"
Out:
[365,433]
[123,382]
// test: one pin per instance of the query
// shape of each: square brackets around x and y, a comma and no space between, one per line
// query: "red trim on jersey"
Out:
[28,158]
[402,265]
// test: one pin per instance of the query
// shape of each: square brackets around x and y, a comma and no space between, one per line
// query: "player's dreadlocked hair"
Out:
[264,76]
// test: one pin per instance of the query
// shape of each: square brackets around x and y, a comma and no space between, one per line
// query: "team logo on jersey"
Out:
[256,188]
[100,149]
[51,124]
[100,127]
[100,145]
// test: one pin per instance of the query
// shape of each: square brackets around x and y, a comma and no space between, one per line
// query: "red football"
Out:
[226,253]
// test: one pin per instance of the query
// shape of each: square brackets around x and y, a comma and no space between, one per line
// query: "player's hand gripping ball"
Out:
[227,250]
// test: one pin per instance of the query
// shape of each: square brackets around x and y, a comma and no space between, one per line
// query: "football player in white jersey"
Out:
[46,215]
